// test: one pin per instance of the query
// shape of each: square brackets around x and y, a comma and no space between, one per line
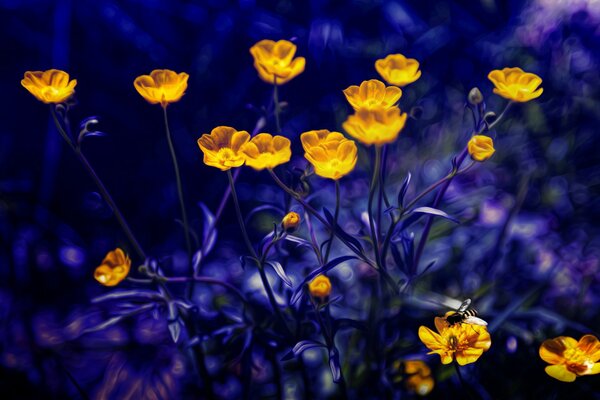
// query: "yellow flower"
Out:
[114,268]
[515,84]
[161,86]
[222,147]
[51,86]
[481,147]
[461,342]
[419,378]
[275,61]
[266,151]
[290,221]
[570,358]
[398,70]
[320,286]
[376,126]
[372,93]
[330,153]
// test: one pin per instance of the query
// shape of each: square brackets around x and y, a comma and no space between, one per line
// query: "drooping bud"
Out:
[475,97]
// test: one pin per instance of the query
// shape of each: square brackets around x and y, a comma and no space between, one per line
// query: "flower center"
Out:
[226,154]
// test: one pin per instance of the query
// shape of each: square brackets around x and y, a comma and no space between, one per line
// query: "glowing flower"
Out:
[481,147]
[266,151]
[419,378]
[114,268]
[290,221]
[51,86]
[222,147]
[275,61]
[464,343]
[398,70]
[570,358]
[515,84]
[376,126]
[320,286]
[372,93]
[161,86]
[330,153]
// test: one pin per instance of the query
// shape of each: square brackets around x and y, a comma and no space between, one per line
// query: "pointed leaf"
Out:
[334,364]
[435,211]
[349,239]
[280,272]
[403,189]
[209,231]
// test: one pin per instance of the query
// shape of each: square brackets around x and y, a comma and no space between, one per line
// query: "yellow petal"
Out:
[431,339]
[590,345]
[561,373]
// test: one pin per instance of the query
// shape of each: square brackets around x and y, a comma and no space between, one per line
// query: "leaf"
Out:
[334,364]
[209,230]
[280,272]
[330,265]
[175,330]
[301,347]
[345,237]
[298,241]
[130,295]
[434,211]
[403,189]
[196,261]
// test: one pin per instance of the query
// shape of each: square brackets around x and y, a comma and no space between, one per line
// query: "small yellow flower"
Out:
[372,93]
[222,147]
[376,126]
[275,61]
[481,147]
[571,358]
[161,86]
[398,70]
[291,221]
[515,84]
[419,378]
[320,286]
[51,86]
[114,268]
[330,153]
[464,343]
[266,151]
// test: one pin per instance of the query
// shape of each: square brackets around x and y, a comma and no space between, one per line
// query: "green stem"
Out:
[335,220]
[103,191]
[186,225]
[276,109]
[372,189]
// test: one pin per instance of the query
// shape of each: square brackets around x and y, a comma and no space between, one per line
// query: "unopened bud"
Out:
[320,286]
[291,221]
[475,97]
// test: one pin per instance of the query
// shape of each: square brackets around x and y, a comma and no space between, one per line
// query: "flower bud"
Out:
[291,221]
[320,286]
[475,97]
[481,147]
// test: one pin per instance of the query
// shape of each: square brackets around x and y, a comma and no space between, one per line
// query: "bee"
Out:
[465,315]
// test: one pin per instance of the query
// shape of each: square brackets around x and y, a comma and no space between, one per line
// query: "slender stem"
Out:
[103,191]
[502,114]
[276,109]
[372,189]
[261,269]
[462,381]
[335,220]
[186,225]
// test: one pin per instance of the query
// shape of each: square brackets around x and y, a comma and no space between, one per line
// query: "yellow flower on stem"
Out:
[291,221]
[515,84]
[275,61]
[161,86]
[419,378]
[330,153]
[398,70]
[114,268]
[266,151]
[372,93]
[222,147]
[376,126]
[464,343]
[320,286]
[481,147]
[571,358]
[51,87]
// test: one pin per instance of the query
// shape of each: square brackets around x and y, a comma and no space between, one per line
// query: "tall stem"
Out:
[335,220]
[186,225]
[276,109]
[103,191]
[259,262]
[372,189]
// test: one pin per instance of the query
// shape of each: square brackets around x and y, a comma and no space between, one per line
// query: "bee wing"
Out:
[465,304]
[475,321]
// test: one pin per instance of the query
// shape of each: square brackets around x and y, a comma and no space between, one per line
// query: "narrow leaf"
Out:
[280,272]
[434,211]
